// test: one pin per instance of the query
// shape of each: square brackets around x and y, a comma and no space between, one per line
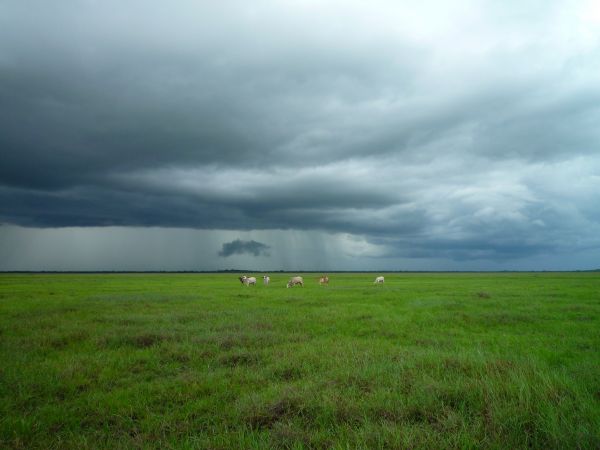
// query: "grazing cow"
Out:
[248,280]
[324,280]
[266,280]
[294,281]
[379,280]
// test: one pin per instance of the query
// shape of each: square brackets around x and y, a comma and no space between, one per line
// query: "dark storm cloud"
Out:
[427,129]
[239,247]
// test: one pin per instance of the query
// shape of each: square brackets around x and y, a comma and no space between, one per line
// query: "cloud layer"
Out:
[428,131]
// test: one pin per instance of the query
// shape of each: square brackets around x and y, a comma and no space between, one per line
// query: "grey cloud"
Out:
[235,117]
[239,247]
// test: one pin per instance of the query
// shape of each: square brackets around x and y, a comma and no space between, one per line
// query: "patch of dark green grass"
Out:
[240,358]
[141,340]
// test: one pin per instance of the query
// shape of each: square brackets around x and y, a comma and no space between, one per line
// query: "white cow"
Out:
[266,280]
[379,280]
[294,281]
[324,280]
[248,280]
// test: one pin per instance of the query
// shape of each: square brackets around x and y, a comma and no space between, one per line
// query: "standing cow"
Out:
[379,280]
[248,280]
[294,281]
[324,280]
[266,280]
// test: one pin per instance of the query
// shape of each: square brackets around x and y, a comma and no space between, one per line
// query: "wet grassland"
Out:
[505,360]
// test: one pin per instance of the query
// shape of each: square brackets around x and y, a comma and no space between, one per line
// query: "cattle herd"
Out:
[294,281]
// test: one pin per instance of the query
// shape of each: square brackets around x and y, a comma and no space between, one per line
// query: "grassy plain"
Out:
[199,361]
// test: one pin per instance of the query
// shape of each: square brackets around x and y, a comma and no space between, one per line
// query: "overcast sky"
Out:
[375,135]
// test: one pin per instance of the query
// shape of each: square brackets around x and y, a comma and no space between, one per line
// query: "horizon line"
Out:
[289,271]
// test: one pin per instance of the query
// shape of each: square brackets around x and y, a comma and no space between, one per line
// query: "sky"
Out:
[299,135]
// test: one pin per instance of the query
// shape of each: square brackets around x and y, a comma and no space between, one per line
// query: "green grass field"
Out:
[199,361]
